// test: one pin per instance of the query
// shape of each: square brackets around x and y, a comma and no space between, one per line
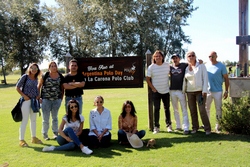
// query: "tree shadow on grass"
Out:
[168,141]
[7,85]
[199,137]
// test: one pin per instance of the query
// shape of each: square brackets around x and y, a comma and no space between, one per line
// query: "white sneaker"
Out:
[86,150]
[156,130]
[169,128]
[217,128]
[49,148]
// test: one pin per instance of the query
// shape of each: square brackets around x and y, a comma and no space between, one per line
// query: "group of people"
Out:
[48,91]
[199,83]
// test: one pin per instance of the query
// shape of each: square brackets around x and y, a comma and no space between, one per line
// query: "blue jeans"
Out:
[157,97]
[78,99]
[50,106]
[64,144]
[122,136]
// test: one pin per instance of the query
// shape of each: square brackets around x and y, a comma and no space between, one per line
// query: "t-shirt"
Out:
[215,76]
[74,125]
[51,89]
[74,78]
[177,74]
[159,75]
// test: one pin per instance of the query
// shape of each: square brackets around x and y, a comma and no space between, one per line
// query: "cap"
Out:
[175,55]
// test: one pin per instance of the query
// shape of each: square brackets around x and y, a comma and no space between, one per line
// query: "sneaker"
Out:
[169,128]
[217,128]
[178,129]
[86,150]
[186,132]
[36,140]
[45,136]
[55,135]
[156,130]
[193,131]
[49,148]
[208,132]
[201,127]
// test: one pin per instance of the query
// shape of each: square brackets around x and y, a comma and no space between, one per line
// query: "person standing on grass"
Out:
[27,88]
[158,80]
[51,97]
[100,124]
[217,74]
[73,85]
[127,123]
[177,72]
[70,131]
[195,84]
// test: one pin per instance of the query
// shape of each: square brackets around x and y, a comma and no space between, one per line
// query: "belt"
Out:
[74,96]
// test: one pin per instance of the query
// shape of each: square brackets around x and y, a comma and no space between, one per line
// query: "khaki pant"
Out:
[193,101]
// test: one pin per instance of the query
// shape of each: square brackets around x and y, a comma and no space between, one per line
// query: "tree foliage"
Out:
[24,33]
[90,28]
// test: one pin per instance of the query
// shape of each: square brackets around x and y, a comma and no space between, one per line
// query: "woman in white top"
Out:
[100,125]
[70,130]
[195,85]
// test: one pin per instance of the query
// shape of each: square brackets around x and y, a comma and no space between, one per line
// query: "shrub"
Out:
[236,115]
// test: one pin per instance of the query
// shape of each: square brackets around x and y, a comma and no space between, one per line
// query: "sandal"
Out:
[36,140]
[23,143]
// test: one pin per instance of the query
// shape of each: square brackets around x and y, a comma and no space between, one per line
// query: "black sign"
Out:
[112,72]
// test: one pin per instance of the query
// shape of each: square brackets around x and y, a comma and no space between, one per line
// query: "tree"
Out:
[117,28]
[25,35]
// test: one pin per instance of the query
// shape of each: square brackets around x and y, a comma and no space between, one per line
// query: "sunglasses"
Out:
[191,56]
[211,56]
[99,102]
[75,106]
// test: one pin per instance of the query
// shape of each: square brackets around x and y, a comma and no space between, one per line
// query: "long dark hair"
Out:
[132,112]
[69,112]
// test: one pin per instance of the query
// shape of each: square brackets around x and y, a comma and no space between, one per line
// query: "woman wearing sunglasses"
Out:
[100,125]
[70,130]
[195,84]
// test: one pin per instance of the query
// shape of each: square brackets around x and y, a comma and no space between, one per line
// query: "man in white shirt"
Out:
[158,80]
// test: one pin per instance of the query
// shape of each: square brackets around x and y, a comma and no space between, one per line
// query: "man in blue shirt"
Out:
[217,74]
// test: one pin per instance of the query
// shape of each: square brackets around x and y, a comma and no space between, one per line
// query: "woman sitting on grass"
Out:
[127,123]
[100,125]
[69,130]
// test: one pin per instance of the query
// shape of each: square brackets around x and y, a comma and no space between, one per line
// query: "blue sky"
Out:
[213,27]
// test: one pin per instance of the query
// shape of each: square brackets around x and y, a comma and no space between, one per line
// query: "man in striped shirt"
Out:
[158,80]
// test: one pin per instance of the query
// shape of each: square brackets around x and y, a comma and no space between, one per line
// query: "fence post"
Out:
[150,93]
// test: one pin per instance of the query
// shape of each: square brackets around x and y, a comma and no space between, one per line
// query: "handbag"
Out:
[16,111]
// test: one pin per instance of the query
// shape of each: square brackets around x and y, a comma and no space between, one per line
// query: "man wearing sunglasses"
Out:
[217,74]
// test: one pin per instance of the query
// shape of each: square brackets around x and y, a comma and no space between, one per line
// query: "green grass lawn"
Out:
[172,149]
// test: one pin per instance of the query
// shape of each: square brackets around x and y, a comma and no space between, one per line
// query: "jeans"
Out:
[177,95]
[193,98]
[27,113]
[64,144]
[50,106]
[217,96]
[122,136]
[157,97]
[78,99]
